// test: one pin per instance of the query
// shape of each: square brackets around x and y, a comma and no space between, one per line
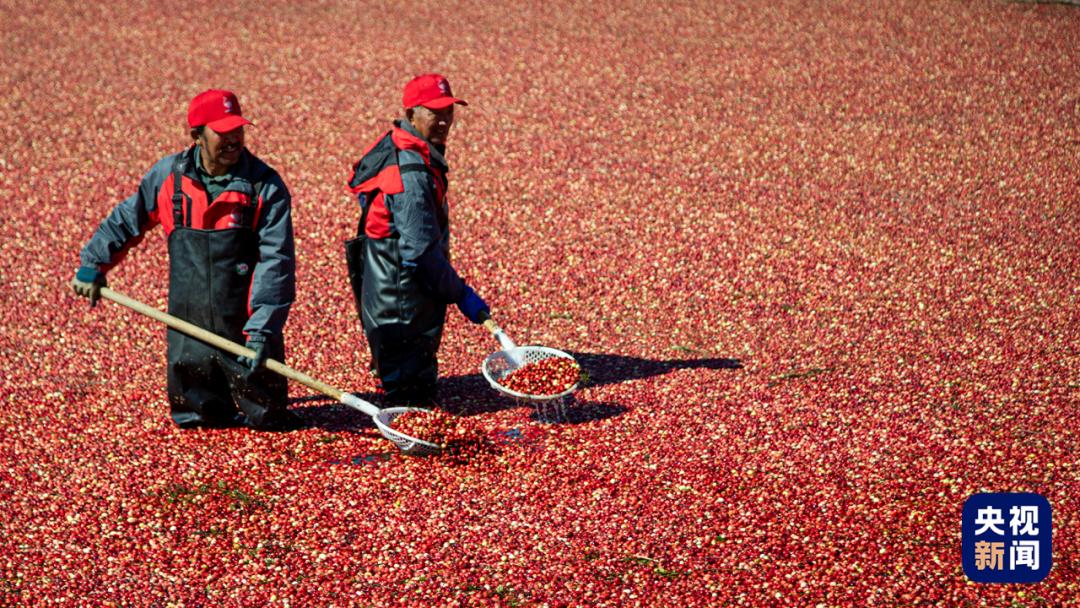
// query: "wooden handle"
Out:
[213,339]
[490,325]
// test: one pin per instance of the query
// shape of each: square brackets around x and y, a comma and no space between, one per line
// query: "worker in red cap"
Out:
[399,263]
[227,218]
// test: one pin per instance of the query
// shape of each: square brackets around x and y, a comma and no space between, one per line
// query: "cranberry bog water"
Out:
[818,261]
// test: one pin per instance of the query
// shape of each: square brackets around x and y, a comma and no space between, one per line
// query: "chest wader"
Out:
[403,321]
[210,274]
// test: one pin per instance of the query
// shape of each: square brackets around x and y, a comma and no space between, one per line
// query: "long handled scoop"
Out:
[383,417]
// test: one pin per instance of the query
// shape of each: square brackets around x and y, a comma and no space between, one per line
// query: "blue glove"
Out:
[473,307]
[256,343]
[88,282]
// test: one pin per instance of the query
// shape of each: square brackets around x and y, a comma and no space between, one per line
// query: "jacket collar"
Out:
[240,173]
[434,152]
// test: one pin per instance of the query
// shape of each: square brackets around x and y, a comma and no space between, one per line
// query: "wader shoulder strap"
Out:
[421,167]
[364,206]
[412,168]
[178,192]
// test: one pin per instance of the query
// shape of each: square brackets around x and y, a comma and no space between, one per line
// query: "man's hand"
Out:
[88,283]
[474,308]
[256,343]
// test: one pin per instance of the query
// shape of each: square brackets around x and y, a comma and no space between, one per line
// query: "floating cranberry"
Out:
[872,205]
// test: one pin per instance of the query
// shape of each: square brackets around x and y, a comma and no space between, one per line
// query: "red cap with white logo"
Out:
[217,109]
[431,91]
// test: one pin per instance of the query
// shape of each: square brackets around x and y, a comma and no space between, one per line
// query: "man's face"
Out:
[434,125]
[222,149]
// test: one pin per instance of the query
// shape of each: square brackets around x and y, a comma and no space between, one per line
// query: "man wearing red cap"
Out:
[400,261]
[227,217]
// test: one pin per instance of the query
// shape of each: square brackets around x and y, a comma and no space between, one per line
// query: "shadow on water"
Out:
[604,369]
[573,411]
[471,395]
[322,412]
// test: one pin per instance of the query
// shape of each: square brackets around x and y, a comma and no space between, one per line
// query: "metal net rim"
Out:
[494,369]
[406,443]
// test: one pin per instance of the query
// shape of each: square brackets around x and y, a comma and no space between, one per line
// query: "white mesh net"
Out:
[499,364]
[410,445]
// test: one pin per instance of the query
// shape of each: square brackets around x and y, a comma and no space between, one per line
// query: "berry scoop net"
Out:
[536,373]
[383,417]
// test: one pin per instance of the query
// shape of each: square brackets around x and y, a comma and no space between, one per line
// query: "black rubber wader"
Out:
[209,283]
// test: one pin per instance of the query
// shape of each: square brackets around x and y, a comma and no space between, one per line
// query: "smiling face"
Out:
[220,151]
[433,125]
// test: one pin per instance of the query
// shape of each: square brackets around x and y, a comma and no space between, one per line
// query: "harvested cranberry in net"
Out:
[433,426]
[549,376]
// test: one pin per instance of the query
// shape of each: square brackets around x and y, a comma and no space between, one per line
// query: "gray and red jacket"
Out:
[267,212]
[401,179]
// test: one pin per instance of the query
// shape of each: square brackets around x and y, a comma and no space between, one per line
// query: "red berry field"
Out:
[818,261]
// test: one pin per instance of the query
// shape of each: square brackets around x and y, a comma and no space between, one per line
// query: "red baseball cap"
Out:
[431,91]
[217,109]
